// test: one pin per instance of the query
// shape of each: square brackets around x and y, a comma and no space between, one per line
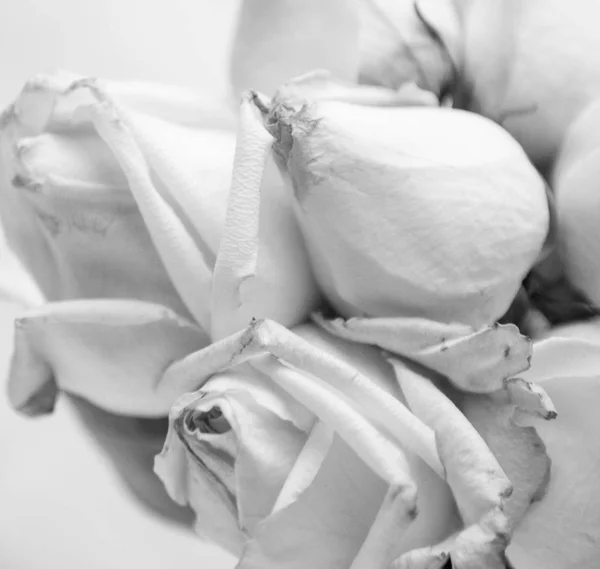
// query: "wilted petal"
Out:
[262,269]
[519,450]
[562,531]
[279,39]
[110,352]
[368,394]
[479,361]
[479,484]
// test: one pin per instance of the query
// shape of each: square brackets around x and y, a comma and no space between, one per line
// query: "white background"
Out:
[61,507]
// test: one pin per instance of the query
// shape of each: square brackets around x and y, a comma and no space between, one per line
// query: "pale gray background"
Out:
[61,507]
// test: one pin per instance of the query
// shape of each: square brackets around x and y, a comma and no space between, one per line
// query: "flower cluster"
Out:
[341,295]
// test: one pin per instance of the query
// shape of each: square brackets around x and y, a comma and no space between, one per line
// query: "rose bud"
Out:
[303,450]
[422,217]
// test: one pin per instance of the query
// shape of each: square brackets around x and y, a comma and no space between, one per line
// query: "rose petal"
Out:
[81,202]
[262,269]
[188,481]
[183,253]
[110,352]
[519,450]
[478,361]
[267,337]
[479,484]
[327,524]
[562,531]
[279,40]
[264,451]
[563,357]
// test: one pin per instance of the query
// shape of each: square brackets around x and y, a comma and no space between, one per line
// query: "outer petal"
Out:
[112,353]
[262,269]
[474,360]
[279,39]
[479,485]
[174,206]
[562,531]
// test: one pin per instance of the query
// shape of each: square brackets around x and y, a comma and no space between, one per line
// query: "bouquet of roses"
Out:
[339,309]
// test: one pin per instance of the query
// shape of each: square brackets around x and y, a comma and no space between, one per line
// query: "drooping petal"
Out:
[474,360]
[519,450]
[110,352]
[280,39]
[479,484]
[262,269]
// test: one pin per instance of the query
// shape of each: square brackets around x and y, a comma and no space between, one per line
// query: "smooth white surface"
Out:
[61,506]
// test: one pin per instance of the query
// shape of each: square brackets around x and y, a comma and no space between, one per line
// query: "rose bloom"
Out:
[116,198]
[302,449]
[157,237]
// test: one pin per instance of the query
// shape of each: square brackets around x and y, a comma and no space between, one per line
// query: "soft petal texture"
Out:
[345,495]
[577,190]
[373,190]
[478,361]
[277,40]
[110,352]
[64,193]
[262,268]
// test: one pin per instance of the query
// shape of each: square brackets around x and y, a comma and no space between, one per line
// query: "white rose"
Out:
[117,199]
[303,450]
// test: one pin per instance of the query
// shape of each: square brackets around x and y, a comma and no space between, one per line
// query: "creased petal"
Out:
[562,531]
[110,352]
[369,395]
[478,361]
[479,484]
[279,40]
[262,269]
[519,450]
